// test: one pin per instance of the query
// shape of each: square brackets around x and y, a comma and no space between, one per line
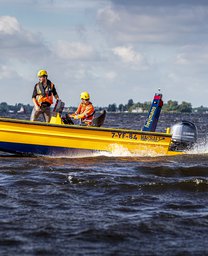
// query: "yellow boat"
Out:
[20,136]
[57,138]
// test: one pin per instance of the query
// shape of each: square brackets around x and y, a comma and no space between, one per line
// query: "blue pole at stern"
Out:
[154,113]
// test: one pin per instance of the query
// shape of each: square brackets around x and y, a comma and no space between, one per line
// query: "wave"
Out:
[199,148]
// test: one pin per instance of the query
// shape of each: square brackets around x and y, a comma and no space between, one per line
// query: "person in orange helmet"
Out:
[42,97]
[85,111]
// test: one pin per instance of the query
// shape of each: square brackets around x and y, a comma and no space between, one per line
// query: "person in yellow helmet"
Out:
[85,111]
[42,97]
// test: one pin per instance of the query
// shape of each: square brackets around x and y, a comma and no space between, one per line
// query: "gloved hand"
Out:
[37,108]
[76,117]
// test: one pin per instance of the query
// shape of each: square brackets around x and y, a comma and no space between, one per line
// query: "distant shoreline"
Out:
[130,107]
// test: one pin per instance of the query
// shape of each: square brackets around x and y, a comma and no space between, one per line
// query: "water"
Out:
[107,204]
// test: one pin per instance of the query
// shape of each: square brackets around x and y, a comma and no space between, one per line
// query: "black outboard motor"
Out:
[184,135]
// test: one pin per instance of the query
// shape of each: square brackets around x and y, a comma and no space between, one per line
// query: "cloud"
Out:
[111,75]
[192,55]
[160,24]
[181,59]
[55,5]
[108,16]
[6,72]
[158,3]
[128,55]
[19,43]
[74,50]
[9,25]
[103,46]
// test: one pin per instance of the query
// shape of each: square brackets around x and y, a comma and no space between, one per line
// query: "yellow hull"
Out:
[20,136]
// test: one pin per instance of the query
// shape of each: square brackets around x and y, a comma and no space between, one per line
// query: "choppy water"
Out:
[107,204]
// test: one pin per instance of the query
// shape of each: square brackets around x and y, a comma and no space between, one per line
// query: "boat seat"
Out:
[67,119]
[99,120]
[59,107]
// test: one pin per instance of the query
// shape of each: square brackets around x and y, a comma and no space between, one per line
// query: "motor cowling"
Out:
[184,135]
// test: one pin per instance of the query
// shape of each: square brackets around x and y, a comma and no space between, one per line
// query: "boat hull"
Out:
[20,136]
[29,149]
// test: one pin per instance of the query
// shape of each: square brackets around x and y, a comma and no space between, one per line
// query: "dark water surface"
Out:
[107,204]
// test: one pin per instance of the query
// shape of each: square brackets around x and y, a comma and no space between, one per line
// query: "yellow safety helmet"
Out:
[85,96]
[42,73]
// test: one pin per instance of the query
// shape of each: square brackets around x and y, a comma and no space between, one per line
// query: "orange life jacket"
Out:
[44,94]
[85,112]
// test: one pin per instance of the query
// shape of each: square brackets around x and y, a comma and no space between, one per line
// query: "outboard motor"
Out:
[184,135]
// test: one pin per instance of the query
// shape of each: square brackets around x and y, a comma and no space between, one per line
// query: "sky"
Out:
[115,49]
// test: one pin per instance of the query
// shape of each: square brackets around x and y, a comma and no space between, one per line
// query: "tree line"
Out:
[171,107]
[6,108]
